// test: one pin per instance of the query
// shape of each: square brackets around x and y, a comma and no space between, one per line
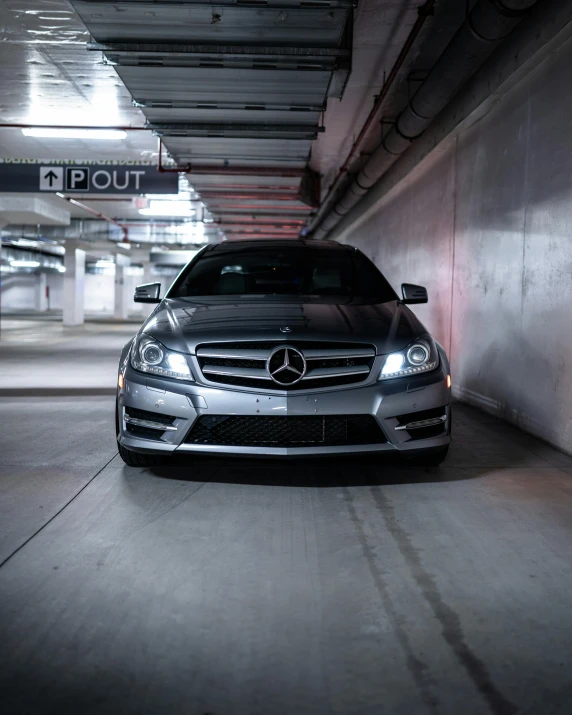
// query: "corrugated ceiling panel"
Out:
[225,84]
[256,152]
[161,22]
[243,116]
[278,56]
[269,182]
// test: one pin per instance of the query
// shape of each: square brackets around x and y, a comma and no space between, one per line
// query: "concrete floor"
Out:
[240,587]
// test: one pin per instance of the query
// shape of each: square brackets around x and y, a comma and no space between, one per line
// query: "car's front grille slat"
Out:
[244,364]
[285,432]
[323,372]
[336,354]
[252,372]
[232,354]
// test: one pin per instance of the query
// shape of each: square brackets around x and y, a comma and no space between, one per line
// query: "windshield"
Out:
[284,271]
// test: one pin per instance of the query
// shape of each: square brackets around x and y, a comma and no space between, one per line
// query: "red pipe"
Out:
[423,13]
[98,214]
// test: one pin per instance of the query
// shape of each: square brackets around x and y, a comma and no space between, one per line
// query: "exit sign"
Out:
[86,179]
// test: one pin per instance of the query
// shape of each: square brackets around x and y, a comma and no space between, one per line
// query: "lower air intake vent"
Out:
[147,425]
[311,431]
[425,424]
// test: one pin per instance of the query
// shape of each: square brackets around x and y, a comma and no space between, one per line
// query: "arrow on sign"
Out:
[51,176]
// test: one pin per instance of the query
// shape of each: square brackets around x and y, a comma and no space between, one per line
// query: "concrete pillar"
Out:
[74,285]
[123,298]
[41,297]
[147,277]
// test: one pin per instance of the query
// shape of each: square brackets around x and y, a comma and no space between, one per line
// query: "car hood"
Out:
[183,324]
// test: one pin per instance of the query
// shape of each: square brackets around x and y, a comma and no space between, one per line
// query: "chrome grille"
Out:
[245,364]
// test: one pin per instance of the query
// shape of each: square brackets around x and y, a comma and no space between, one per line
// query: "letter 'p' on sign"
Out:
[77,178]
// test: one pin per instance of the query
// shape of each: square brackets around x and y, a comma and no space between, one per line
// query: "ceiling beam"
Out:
[182,49]
[235,130]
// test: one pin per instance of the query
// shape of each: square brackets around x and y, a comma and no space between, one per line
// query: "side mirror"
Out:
[413,294]
[148,293]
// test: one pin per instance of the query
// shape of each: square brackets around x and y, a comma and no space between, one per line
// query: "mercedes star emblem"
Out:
[286,365]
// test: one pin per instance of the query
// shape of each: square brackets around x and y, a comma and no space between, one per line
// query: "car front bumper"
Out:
[385,401]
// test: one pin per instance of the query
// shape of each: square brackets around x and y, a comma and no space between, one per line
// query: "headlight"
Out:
[420,356]
[150,356]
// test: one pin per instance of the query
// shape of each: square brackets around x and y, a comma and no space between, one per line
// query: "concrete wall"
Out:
[485,221]
[99,293]
[56,285]
[20,291]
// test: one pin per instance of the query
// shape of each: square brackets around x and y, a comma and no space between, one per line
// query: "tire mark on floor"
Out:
[417,667]
[452,630]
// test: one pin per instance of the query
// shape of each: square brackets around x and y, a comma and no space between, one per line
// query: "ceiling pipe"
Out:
[486,26]
[423,13]
[97,214]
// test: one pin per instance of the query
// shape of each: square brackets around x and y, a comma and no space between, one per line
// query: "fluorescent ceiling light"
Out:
[25,264]
[168,208]
[49,133]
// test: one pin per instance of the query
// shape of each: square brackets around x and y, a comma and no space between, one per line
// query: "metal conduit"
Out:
[486,26]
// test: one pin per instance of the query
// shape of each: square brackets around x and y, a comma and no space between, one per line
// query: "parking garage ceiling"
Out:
[256,101]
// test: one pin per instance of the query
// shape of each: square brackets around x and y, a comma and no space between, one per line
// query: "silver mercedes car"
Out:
[285,348]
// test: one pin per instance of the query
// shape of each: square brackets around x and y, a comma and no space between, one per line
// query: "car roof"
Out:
[246,244]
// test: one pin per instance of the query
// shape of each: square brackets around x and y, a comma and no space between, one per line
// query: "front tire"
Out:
[131,458]
[136,459]
[431,459]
